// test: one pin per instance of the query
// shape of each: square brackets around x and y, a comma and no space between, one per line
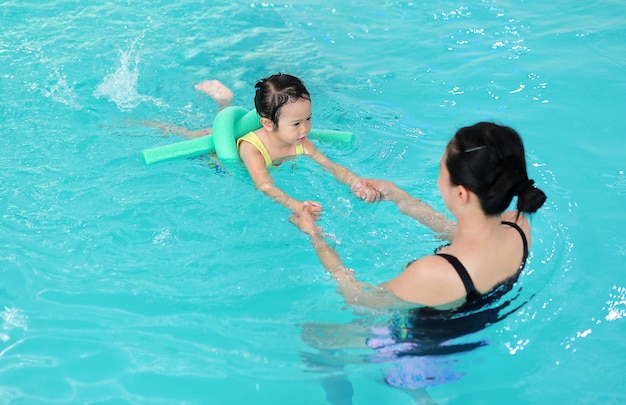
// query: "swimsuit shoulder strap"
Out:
[254,139]
[524,240]
[299,149]
[461,271]
[470,289]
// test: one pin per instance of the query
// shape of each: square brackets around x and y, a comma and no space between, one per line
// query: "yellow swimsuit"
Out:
[256,142]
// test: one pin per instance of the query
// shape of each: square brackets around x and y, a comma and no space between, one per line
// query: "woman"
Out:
[482,169]
[456,291]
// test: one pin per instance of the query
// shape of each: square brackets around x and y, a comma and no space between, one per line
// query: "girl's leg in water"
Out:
[176,130]
[217,91]
[214,89]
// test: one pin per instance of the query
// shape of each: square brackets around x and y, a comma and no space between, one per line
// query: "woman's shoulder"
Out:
[429,280]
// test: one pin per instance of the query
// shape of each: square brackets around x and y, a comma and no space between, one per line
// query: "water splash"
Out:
[120,86]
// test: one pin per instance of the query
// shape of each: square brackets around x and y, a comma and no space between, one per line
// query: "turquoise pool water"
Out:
[179,283]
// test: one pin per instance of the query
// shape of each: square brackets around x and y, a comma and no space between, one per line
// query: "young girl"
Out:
[284,105]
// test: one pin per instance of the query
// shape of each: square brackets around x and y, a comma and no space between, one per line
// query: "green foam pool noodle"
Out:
[229,125]
[179,150]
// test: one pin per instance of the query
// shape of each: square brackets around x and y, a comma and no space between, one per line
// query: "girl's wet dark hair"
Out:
[489,160]
[273,92]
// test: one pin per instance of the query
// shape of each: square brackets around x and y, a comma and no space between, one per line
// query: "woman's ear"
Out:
[268,125]
[463,194]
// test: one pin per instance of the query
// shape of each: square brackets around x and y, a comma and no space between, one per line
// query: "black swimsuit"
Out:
[433,331]
[470,289]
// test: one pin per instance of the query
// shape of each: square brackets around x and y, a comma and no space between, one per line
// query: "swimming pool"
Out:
[179,283]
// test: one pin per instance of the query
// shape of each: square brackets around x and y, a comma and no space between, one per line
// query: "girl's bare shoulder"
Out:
[309,148]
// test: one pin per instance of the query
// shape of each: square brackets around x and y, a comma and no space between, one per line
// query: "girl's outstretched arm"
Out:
[342,174]
[255,164]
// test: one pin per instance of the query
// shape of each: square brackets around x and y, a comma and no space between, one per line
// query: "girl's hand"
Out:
[384,188]
[312,207]
[366,192]
[306,221]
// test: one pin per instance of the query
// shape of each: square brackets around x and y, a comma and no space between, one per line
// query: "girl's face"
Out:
[294,123]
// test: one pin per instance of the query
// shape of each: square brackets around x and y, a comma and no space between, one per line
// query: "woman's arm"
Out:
[413,207]
[353,291]
[255,164]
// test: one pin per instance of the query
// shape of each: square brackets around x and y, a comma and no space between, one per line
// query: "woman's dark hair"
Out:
[489,160]
[273,92]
